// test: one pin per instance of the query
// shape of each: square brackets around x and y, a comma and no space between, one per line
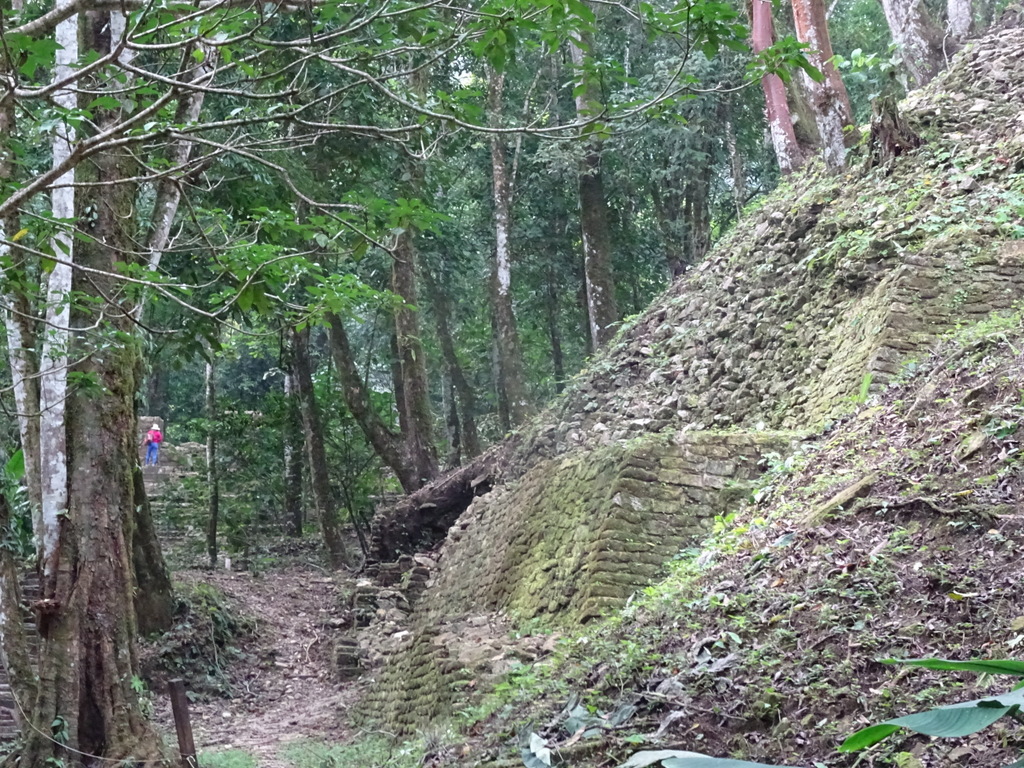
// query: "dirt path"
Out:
[284,691]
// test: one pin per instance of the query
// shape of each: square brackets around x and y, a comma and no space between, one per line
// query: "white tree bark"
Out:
[960,14]
[53,379]
[25,401]
[916,36]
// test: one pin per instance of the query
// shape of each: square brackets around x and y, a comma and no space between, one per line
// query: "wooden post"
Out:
[182,724]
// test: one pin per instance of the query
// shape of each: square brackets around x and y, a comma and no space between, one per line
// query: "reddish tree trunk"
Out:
[780,122]
[829,99]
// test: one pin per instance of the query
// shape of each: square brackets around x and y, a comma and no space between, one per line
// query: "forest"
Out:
[371,269]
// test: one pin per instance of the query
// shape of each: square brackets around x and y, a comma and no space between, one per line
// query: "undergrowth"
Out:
[208,634]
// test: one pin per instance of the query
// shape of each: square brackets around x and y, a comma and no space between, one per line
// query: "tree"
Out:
[602,306]
[780,122]
[319,480]
[828,97]
[918,38]
[510,353]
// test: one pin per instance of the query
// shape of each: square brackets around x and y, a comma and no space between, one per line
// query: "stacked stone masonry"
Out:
[569,541]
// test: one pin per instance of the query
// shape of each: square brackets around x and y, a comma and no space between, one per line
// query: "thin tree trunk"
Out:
[829,100]
[319,480]
[739,182]
[509,346]
[419,434]
[470,438]
[554,333]
[780,121]
[917,37]
[453,433]
[388,446]
[292,434]
[602,309]
[669,213]
[212,473]
[500,396]
[18,320]
[398,387]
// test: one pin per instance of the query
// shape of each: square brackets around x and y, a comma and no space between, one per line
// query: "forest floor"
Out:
[283,698]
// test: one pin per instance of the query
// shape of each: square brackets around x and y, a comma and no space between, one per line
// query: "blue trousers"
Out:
[152,454]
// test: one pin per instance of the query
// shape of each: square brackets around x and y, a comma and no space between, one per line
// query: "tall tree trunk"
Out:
[551,311]
[780,121]
[453,432]
[18,320]
[441,303]
[736,166]
[960,14]
[292,438]
[497,375]
[398,387]
[509,346]
[156,390]
[389,447]
[212,472]
[419,434]
[602,309]
[916,35]
[697,209]
[53,379]
[319,480]
[828,97]
[87,622]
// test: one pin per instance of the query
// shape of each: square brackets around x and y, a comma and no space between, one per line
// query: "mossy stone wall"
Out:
[570,540]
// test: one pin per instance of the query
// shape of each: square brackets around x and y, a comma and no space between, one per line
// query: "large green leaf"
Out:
[989,666]
[949,722]
[15,466]
[675,758]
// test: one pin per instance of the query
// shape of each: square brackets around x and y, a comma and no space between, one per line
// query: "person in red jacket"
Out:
[153,440]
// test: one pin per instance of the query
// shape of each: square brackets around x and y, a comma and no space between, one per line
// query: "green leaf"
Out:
[675,758]
[15,466]
[987,666]
[949,722]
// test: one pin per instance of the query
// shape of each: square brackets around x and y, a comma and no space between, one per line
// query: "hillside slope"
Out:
[769,349]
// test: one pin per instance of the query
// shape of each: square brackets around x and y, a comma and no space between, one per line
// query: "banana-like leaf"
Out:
[991,666]
[675,758]
[950,722]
